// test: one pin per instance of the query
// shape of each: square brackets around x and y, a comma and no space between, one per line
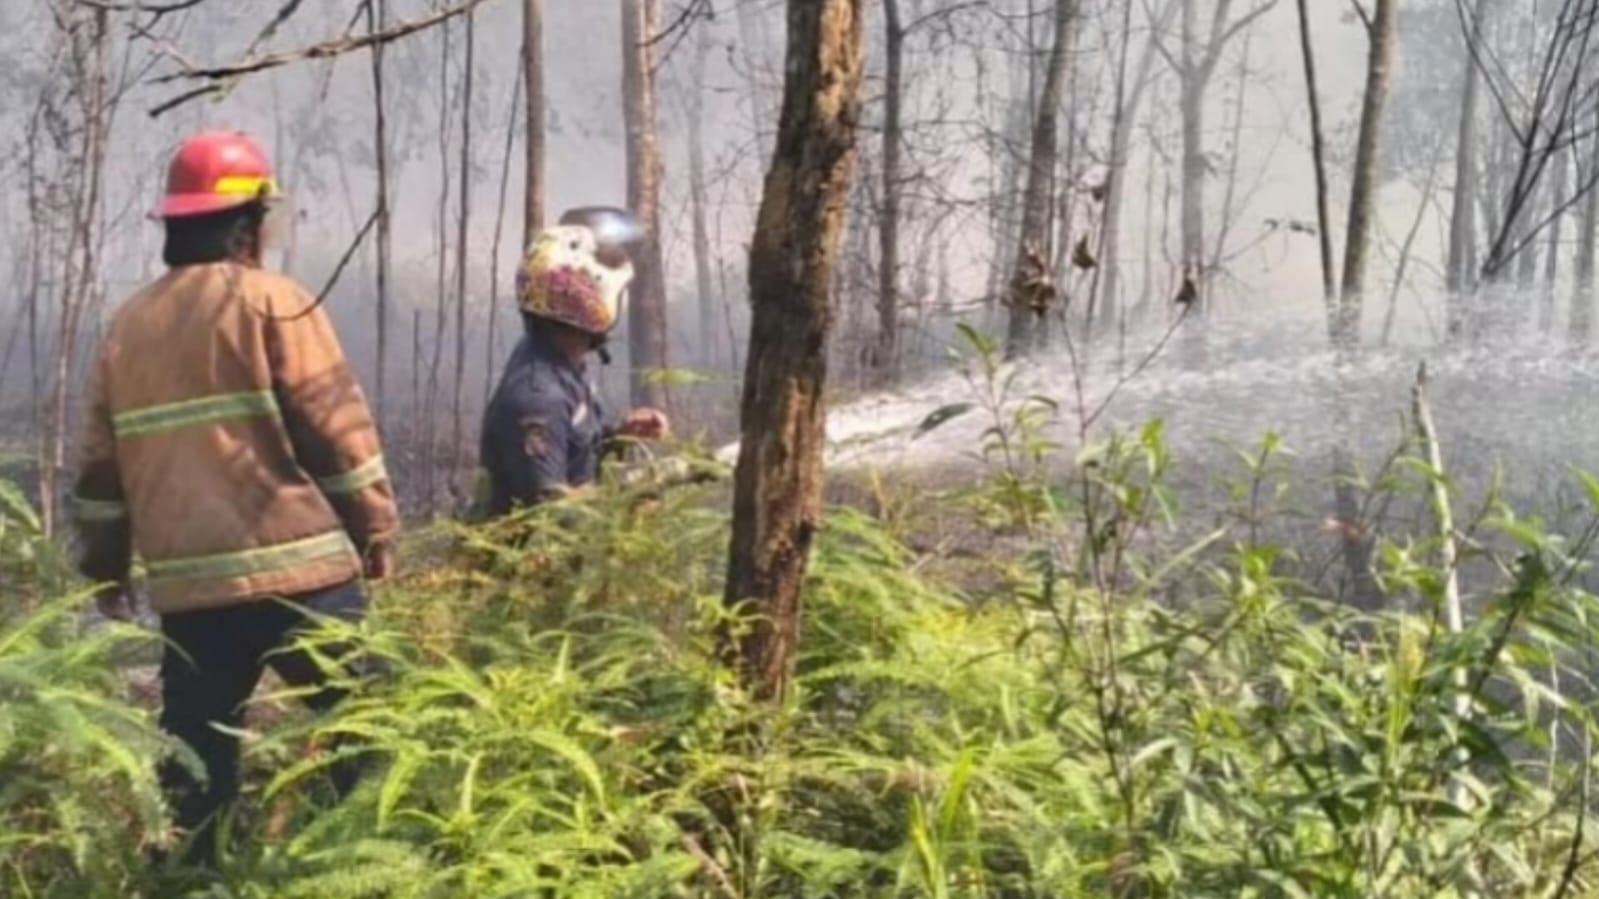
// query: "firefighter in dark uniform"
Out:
[545,432]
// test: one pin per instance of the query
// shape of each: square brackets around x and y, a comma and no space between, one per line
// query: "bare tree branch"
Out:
[195,94]
[944,13]
[1235,29]
[223,76]
[284,12]
[344,261]
[692,10]
[158,9]
[1365,17]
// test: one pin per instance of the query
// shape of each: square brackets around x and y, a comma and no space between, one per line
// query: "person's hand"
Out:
[115,603]
[645,424]
[379,562]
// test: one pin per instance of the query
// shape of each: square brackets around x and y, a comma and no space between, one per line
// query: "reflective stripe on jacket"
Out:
[227,445]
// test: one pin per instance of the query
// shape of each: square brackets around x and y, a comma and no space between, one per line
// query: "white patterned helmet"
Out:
[568,277]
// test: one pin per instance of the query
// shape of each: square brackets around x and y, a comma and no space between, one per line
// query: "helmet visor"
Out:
[610,225]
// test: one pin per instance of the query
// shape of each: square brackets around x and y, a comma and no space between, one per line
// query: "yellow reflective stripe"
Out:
[97,510]
[245,185]
[359,478]
[168,416]
[225,566]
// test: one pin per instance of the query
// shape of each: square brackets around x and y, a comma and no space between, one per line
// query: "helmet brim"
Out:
[184,205]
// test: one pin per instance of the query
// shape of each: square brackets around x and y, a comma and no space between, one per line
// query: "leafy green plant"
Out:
[79,802]
[1139,707]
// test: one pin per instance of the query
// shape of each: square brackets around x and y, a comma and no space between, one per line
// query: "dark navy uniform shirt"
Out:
[543,430]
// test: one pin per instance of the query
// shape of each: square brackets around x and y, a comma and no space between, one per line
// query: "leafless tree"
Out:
[1559,204]
[440,286]
[647,332]
[66,167]
[1195,64]
[884,356]
[1130,88]
[533,201]
[1540,125]
[491,344]
[1382,30]
[463,220]
[1318,153]
[1461,261]
[699,197]
[1407,249]
[376,13]
[1582,300]
[1032,289]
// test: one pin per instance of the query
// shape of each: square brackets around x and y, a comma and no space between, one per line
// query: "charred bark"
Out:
[777,490]
[884,356]
[1029,299]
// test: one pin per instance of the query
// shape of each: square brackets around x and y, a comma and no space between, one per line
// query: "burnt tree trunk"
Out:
[777,489]
[1041,165]
[533,79]
[1318,155]
[1462,217]
[884,355]
[376,13]
[1363,193]
[646,324]
[1359,546]
[1067,197]
[430,412]
[1191,89]
[463,222]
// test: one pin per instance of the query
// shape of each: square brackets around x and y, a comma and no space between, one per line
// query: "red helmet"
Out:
[213,171]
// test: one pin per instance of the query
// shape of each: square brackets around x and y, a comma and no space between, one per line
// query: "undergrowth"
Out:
[1109,714]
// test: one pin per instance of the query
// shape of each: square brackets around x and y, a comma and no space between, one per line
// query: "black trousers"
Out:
[212,664]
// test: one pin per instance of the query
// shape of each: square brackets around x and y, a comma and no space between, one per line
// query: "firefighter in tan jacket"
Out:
[230,449]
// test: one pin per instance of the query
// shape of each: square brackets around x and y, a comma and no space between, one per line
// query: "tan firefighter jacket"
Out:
[228,446]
